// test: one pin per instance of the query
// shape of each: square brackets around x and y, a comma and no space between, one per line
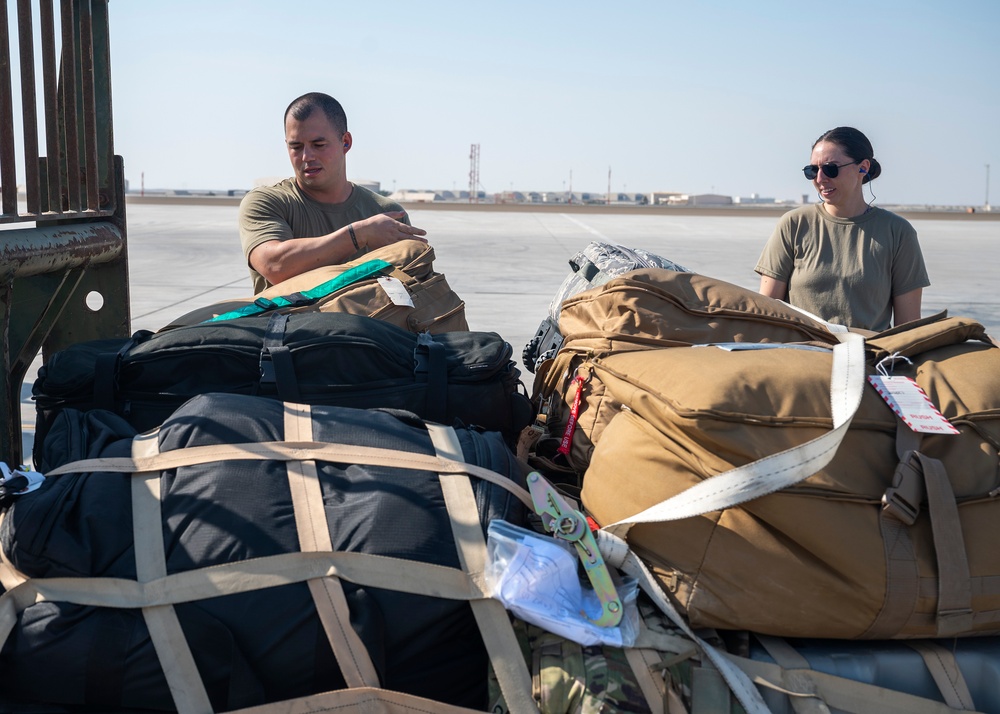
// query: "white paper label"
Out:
[395,290]
[911,403]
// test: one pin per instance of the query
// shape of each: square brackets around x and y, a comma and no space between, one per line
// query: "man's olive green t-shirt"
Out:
[845,270]
[285,212]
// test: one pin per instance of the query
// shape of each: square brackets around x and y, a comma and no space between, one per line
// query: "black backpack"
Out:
[310,358]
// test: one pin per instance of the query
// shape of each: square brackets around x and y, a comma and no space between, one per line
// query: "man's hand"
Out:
[385,229]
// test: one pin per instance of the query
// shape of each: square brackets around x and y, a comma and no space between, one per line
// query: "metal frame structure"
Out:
[65,272]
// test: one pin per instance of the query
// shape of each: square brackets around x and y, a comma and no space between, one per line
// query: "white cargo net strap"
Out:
[740,485]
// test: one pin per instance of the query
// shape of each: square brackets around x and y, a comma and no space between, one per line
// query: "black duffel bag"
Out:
[309,358]
[260,645]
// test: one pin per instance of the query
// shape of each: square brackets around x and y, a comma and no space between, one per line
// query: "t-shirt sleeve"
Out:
[778,258]
[261,219]
[908,269]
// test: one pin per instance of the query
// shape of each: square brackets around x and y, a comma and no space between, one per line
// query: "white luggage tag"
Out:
[395,290]
[908,399]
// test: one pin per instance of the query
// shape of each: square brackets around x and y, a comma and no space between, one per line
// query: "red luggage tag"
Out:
[908,399]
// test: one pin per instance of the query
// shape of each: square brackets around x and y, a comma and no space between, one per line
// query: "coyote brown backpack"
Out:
[894,537]
[641,310]
[426,303]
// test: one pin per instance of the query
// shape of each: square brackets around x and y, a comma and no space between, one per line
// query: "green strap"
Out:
[356,274]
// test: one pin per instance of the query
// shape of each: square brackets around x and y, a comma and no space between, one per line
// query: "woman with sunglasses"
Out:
[844,259]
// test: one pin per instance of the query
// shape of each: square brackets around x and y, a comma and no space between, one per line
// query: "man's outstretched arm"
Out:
[279,260]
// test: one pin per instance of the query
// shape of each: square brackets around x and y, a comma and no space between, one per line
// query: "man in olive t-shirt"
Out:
[317,217]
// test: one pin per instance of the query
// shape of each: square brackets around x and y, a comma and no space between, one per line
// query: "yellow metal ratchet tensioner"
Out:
[570,525]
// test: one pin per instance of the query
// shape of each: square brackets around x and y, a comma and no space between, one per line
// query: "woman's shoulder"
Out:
[894,221]
[805,214]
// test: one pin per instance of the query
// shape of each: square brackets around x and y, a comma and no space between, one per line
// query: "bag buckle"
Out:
[570,525]
[902,500]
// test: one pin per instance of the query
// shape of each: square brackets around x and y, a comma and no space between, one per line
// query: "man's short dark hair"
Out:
[302,108]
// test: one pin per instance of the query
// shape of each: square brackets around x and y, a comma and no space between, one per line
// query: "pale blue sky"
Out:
[723,97]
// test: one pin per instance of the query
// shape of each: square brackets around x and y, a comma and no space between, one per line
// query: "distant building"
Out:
[375,186]
[753,198]
[629,198]
[701,199]
[509,197]
[660,198]
[408,196]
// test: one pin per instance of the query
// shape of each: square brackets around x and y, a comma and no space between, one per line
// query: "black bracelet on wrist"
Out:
[354,238]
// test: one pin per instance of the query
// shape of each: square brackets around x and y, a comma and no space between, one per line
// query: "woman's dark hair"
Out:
[303,107]
[855,145]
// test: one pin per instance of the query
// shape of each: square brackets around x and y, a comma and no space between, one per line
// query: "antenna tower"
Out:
[474,174]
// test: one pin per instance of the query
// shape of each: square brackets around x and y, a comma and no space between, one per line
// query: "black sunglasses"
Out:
[830,170]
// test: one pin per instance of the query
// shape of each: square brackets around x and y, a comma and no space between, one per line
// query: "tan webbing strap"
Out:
[919,478]
[362,701]
[954,606]
[314,536]
[617,553]
[654,689]
[494,622]
[10,577]
[249,575]
[289,451]
[646,655]
[943,666]
[789,658]
[900,508]
[176,660]
[404,277]
[840,693]
[8,616]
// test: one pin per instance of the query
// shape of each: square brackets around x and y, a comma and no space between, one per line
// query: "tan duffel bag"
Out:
[641,310]
[876,532]
[418,299]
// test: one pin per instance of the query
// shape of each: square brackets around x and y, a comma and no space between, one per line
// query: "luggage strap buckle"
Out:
[568,524]
[902,500]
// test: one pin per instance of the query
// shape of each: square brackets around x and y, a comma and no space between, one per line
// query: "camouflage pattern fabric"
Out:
[569,678]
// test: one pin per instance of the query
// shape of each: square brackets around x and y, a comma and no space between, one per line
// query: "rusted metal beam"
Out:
[35,251]
[75,195]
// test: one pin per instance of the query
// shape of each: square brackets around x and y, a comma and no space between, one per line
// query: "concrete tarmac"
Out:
[508,264]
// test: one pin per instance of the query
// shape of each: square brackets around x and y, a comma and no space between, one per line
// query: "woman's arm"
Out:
[776,288]
[906,307]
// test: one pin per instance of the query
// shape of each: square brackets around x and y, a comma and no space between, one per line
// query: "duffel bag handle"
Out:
[921,336]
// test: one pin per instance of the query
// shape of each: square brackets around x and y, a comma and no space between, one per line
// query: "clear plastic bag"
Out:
[536,577]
